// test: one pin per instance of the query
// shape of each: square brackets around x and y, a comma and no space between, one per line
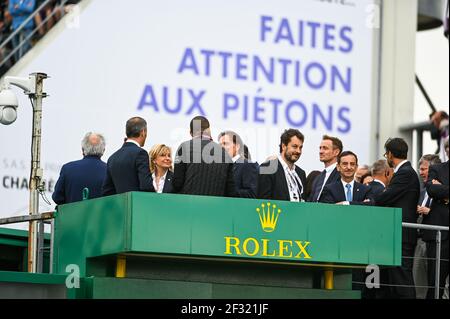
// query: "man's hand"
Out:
[436,182]
[423,210]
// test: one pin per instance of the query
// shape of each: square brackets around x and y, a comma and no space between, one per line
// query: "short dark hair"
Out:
[346,153]
[337,143]
[134,126]
[235,138]
[397,146]
[288,134]
[204,125]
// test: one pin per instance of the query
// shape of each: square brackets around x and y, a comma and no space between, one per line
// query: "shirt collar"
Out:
[236,158]
[352,183]
[330,168]
[285,165]
[162,178]
[399,165]
[132,141]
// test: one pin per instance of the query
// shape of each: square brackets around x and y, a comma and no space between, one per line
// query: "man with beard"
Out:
[280,178]
[402,192]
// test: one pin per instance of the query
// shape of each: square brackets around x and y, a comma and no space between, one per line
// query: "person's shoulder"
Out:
[362,186]
[269,162]
[300,170]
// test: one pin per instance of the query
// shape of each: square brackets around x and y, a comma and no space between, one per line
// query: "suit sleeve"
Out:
[436,191]
[143,170]
[179,171]
[249,181]
[326,196]
[396,189]
[59,193]
[264,186]
[108,185]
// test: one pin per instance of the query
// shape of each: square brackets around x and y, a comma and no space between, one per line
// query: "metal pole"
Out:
[36,170]
[438,262]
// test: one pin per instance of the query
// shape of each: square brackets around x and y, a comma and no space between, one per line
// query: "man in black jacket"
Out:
[437,189]
[402,192]
[329,150]
[281,179]
[203,167]
[382,174]
[245,173]
[128,169]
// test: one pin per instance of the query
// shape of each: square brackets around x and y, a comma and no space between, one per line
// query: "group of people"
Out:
[204,167]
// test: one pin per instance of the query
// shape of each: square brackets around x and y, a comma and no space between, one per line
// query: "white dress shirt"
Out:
[293,181]
[352,184]
[159,188]
[328,171]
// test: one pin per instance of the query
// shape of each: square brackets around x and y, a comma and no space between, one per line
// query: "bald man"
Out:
[88,172]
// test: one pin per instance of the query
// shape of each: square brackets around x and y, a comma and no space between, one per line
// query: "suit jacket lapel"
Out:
[282,181]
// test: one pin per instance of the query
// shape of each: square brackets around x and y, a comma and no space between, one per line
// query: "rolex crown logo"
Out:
[268,217]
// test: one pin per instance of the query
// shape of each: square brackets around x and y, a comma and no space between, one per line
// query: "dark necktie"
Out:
[318,185]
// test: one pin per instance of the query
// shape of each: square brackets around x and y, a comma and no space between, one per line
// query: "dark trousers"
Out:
[401,277]
[431,253]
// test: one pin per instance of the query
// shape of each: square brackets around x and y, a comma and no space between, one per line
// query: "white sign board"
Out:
[256,67]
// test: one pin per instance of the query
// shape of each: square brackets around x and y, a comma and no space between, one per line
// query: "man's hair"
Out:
[430,158]
[337,143]
[346,153]
[201,124]
[155,151]
[379,167]
[397,146]
[288,134]
[90,149]
[134,126]
[235,138]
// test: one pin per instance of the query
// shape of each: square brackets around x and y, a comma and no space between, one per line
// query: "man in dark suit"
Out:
[402,192]
[281,179]
[382,174]
[203,167]
[128,169]
[437,189]
[245,173]
[329,150]
[346,191]
[420,266]
[88,172]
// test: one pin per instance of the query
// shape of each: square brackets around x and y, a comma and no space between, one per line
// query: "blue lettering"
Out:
[148,98]
[302,107]
[258,66]
[188,62]
[314,26]
[347,124]
[179,99]
[230,102]
[328,37]
[284,32]
[264,27]
[322,75]
[258,109]
[207,54]
[347,39]
[345,83]
[241,66]
[316,112]
[196,102]
[225,56]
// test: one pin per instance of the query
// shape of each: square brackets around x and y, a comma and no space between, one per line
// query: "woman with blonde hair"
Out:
[161,168]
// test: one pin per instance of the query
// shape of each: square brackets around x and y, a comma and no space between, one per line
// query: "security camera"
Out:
[8,107]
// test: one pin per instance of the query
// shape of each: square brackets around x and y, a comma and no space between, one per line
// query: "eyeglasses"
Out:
[385,155]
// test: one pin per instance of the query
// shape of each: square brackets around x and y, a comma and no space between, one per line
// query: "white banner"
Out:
[256,67]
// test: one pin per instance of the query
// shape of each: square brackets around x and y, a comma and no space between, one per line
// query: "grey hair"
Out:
[379,167]
[430,158]
[90,149]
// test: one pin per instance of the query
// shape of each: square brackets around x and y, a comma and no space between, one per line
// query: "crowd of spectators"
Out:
[15,14]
